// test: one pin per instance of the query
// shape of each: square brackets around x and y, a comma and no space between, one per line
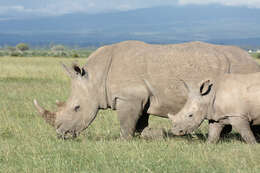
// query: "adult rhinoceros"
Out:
[116,76]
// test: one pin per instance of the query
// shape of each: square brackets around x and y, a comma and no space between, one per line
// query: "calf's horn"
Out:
[48,116]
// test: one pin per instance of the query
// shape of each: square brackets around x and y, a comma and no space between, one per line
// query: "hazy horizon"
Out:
[99,22]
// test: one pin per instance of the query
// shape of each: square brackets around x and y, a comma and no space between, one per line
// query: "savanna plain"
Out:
[28,144]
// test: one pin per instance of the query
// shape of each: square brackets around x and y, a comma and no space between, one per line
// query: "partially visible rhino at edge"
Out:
[228,99]
[114,77]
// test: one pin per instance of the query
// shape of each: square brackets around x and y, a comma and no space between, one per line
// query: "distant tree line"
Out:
[55,50]
[24,50]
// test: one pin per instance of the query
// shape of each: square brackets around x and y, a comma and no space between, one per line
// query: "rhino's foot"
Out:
[212,141]
[125,137]
[154,133]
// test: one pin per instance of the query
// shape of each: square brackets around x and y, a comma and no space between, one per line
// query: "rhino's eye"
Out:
[76,109]
[190,115]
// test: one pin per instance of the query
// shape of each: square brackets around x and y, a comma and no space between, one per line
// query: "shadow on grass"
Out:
[161,133]
[225,137]
[6,133]
[256,131]
[228,137]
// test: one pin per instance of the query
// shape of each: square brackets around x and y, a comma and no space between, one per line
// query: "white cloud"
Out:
[4,9]
[248,3]
[59,7]
[124,7]
[56,8]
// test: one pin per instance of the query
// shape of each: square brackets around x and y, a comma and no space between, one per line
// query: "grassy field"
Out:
[28,144]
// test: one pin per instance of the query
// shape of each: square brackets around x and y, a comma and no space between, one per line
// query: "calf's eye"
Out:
[76,109]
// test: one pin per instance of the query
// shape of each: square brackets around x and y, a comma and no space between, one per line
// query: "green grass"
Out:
[255,55]
[28,144]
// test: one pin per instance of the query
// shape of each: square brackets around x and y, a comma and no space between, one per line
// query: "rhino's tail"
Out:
[151,90]
[149,87]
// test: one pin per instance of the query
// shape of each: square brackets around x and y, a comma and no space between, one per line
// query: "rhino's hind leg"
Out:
[242,126]
[215,129]
[128,112]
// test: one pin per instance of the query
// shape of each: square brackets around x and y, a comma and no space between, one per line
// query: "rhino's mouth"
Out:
[192,128]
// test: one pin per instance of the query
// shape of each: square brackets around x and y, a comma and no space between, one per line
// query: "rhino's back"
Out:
[163,65]
[131,55]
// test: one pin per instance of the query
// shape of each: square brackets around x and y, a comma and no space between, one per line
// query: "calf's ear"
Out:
[205,87]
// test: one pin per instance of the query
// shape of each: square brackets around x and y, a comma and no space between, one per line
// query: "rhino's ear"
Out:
[205,87]
[68,70]
[79,71]
[75,70]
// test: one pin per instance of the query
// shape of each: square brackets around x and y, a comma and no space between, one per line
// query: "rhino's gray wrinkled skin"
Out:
[114,78]
[231,99]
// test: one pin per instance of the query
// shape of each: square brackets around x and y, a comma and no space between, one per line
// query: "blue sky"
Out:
[59,7]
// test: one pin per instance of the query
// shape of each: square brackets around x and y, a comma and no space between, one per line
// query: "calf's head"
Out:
[194,111]
[76,114]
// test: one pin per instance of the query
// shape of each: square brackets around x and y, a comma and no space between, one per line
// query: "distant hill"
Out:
[173,24]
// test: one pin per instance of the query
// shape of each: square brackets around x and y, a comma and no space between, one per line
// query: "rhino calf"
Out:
[230,99]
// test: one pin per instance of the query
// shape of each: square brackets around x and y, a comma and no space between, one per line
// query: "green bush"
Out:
[22,46]
[258,56]
[23,50]
[75,55]
[58,48]
[10,48]
[59,54]
[16,53]
[2,53]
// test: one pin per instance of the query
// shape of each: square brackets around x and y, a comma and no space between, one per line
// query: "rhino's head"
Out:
[194,111]
[79,110]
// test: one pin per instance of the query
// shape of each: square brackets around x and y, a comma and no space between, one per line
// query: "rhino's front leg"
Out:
[215,129]
[242,126]
[128,112]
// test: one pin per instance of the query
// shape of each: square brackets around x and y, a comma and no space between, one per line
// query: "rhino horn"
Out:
[48,116]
